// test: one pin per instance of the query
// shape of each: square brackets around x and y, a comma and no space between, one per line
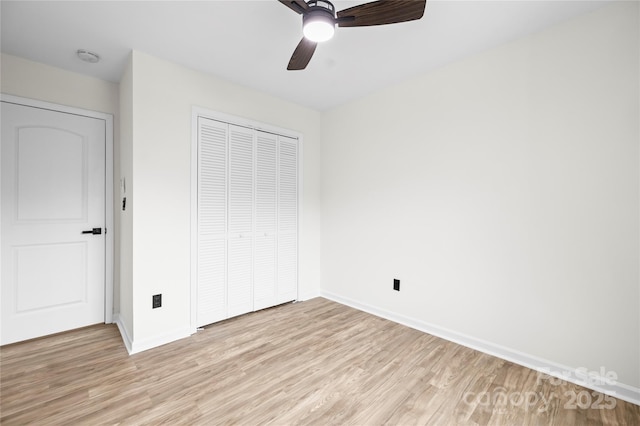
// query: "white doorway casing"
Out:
[57,181]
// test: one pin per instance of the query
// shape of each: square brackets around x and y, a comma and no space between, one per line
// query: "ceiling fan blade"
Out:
[298,6]
[302,55]
[381,12]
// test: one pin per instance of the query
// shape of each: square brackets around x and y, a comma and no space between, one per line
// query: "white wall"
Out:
[28,79]
[21,77]
[163,95]
[503,191]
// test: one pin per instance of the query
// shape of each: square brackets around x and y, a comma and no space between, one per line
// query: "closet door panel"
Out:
[241,213]
[240,180]
[287,289]
[264,273]
[288,185]
[264,284]
[212,222]
[287,269]
[266,182]
[240,295]
[212,282]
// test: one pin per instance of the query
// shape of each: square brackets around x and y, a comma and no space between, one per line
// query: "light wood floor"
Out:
[315,362]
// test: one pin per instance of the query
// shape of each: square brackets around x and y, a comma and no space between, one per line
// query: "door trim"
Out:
[108,158]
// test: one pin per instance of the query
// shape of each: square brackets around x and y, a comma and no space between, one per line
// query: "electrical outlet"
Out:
[396,284]
[157,301]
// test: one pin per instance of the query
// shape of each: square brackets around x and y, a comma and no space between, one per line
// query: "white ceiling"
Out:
[250,42]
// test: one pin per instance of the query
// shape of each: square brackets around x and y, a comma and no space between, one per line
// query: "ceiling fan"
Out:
[319,19]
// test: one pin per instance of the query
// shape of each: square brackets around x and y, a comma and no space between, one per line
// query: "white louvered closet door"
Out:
[247,220]
[264,283]
[240,254]
[212,222]
[287,281]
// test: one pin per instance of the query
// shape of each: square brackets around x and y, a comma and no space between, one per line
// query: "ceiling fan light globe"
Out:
[318,30]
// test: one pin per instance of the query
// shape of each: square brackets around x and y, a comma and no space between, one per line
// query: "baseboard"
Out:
[123,332]
[302,296]
[155,341]
[579,376]
[136,346]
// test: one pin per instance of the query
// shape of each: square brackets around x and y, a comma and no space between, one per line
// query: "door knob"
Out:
[94,231]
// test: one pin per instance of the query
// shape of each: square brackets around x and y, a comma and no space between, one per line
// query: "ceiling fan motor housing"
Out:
[322,5]
[319,10]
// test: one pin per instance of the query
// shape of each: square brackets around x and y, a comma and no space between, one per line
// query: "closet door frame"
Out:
[196,113]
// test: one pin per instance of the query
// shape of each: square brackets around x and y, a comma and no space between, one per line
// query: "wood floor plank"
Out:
[308,363]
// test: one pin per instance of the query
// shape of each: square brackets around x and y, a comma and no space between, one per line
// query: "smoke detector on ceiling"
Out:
[87,56]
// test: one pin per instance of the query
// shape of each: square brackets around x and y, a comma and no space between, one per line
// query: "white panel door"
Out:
[212,222]
[53,189]
[287,283]
[241,213]
[264,283]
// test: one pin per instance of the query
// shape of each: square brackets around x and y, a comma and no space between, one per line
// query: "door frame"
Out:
[108,158]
